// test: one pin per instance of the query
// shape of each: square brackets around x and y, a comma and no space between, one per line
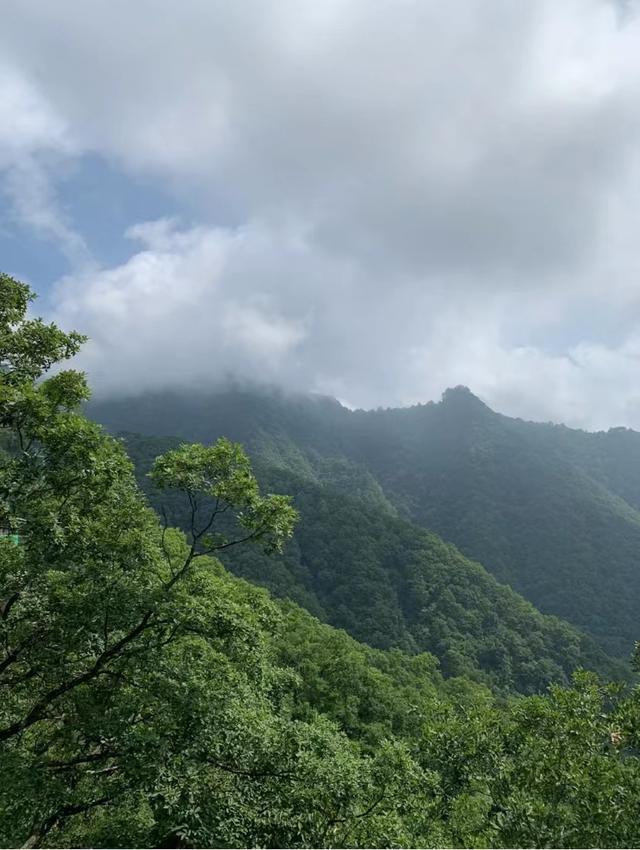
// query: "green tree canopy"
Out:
[149,698]
[135,676]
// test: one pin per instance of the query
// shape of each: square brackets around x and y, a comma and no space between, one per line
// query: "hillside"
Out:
[153,699]
[389,583]
[549,510]
[541,506]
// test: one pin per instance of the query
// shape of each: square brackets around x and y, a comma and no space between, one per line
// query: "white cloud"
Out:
[27,122]
[34,143]
[423,193]
[591,386]
[173,314]
[196,305]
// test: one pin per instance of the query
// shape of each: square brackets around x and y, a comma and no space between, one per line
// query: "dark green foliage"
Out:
[560,770]
[551,511]
[390,584]
[149,698]
[524,500]
[141,702]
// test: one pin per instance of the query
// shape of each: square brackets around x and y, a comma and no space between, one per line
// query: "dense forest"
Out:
[356,565]
[152,698]
[551,511]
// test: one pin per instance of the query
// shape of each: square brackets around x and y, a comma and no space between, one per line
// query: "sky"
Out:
[372,199]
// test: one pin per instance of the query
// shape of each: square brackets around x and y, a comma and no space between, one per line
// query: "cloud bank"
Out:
[373,200]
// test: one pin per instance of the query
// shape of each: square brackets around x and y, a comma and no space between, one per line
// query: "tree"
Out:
[142,702]
[149,698]
[97,598]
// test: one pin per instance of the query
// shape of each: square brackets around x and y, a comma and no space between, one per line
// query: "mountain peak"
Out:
[461,396]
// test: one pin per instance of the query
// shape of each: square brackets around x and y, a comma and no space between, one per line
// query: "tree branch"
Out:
[38,711]
[44,828]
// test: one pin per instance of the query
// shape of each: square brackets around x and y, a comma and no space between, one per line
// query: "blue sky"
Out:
[374,201]
[99,203]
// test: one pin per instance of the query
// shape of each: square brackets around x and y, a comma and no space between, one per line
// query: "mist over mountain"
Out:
[550,511]
[294,550]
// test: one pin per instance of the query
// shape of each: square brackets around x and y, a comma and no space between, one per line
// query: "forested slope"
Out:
[152,699]
[549,510]
[531,502]
[391,584]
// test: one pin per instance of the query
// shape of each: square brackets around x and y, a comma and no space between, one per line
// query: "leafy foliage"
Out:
[551,511]
[133,672]
[390,584]
[150,698]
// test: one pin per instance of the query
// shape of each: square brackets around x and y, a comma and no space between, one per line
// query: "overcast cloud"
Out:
[375,199]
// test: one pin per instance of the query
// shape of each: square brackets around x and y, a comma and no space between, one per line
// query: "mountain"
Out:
[552,511]
[153,699]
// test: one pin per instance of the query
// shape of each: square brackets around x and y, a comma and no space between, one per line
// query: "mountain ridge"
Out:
[552,511]
[358,566]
